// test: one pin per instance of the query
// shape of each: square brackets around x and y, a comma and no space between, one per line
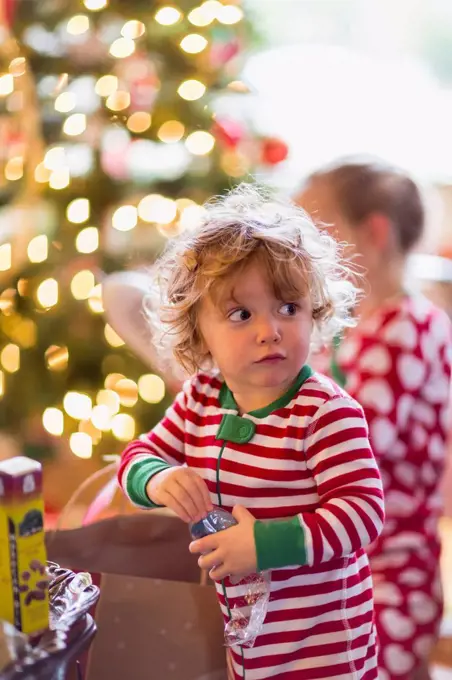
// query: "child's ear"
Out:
[379,230]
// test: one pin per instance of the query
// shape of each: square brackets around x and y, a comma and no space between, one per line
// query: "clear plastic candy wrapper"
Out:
[71,597]
[248,610]
[217,520]
[13,644]
[248,598]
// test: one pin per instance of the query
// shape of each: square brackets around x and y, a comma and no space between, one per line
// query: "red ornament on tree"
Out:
[273,151]
[228,133]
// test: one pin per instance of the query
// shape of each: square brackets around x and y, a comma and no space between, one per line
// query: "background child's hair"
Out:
[361,187]
[246,224]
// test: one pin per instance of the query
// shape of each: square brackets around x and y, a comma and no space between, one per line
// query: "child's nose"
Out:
[268,331]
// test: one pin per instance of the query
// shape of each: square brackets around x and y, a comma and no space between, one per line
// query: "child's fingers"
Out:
[184,492]
[173,504]
[184,496]
[209,561]
[219,572]
[207,503]
[204,545]
[192,485]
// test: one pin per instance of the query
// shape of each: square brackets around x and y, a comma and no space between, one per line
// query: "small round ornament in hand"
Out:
[216,520]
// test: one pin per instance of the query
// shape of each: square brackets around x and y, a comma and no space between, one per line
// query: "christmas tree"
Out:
[132,145]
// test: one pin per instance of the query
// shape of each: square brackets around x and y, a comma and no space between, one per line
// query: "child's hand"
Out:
[231,552]
[181,490]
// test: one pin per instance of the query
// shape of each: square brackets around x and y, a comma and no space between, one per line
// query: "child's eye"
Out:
[289,309]
[239,315]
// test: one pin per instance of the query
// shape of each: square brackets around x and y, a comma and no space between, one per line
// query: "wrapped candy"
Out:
[217,520]
[248,598]
[13,644]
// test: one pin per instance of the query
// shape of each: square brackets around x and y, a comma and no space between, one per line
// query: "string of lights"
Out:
[133,147]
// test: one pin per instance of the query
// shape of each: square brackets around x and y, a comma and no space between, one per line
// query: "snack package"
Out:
[249,597]
[24,599]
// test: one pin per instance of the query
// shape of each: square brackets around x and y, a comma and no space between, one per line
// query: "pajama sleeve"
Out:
[350,510]
[153,452]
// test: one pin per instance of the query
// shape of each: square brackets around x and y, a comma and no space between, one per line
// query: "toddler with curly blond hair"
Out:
[239,301]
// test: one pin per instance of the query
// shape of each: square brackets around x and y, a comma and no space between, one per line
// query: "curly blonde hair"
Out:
[246,224]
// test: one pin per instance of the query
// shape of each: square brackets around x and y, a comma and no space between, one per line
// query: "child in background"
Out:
[239,302]
[396,364]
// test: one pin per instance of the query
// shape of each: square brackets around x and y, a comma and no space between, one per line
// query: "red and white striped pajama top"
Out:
[306,460]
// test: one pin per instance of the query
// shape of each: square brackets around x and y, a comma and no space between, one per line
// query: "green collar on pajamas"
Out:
[227,398]
[240,430]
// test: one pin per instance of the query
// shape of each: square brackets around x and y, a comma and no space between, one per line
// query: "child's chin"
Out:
[274,379]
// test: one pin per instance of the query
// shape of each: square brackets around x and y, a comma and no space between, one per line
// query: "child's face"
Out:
[258,342]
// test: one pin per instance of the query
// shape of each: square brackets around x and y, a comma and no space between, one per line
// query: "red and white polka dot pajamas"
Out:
[396,364]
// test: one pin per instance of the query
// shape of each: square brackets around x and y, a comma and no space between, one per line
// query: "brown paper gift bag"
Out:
[155,620]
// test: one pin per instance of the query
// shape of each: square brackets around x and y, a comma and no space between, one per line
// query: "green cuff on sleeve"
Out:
[138,477]
[279,544]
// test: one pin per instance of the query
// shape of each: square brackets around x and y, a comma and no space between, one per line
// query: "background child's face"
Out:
[257,341]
